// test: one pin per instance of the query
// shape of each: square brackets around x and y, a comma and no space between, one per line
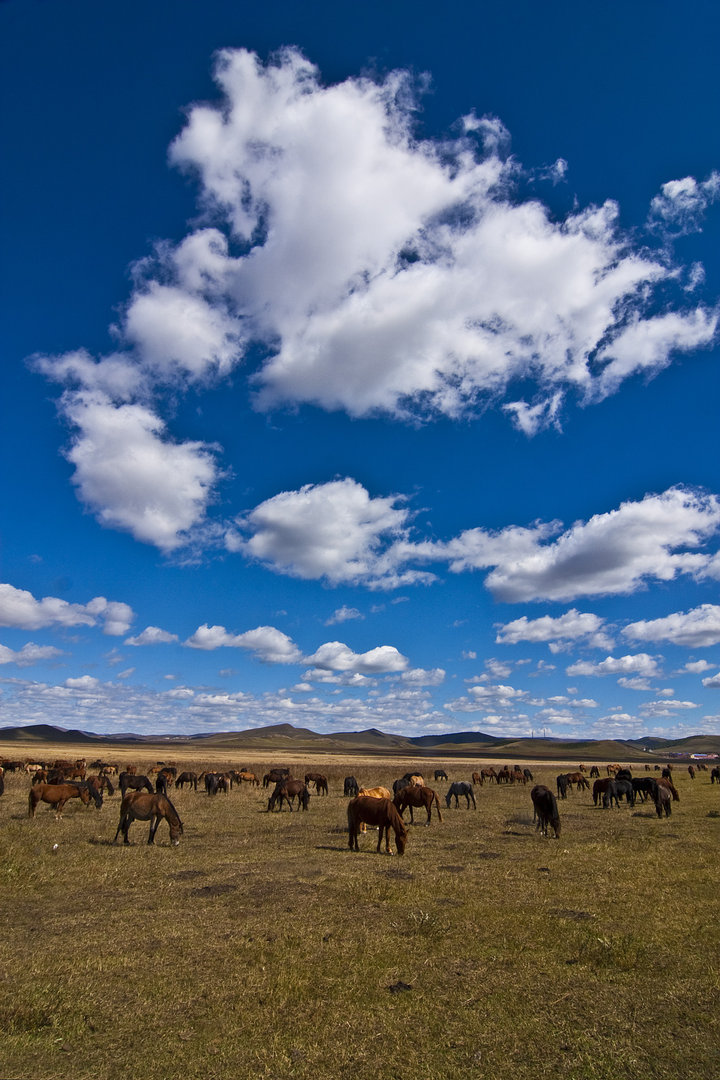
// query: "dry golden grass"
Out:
[262,947]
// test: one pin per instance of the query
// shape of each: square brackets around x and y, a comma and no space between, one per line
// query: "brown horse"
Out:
[477,778]
[380,812]
[139,806]
[187,778]
[417,796]
[286,791]
[244,777]
[57,795]
[666,781]
[488,774]
[319,780]
[578,779]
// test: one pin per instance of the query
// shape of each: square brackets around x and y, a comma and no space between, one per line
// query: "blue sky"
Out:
[360,367]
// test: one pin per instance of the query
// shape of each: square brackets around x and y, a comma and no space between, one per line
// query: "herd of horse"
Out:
[57,782]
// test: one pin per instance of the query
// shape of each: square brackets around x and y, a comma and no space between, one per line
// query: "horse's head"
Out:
[84,795]
[400,842]
[176,833]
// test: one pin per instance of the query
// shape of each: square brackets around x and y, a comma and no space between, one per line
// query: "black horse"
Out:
[351,787]
[562,785]
[545,810]
[137,783]
[460,787]
[715,776]
[440,774]
[644,786]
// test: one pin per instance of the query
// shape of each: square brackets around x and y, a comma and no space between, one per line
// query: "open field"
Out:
[262,947]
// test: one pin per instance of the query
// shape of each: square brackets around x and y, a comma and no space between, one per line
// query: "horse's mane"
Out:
[180,824]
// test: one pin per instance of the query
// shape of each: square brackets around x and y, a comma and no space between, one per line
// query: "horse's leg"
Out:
[154,822]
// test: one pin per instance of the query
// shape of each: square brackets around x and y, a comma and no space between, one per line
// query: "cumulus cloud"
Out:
[152,635]
[29,654]
[712,682]
[268,643]
[574,626]
[698,628]
[343,614]
[641,664]
[336,656]
[332,531]
[83,682]
[20,609]
[681,204]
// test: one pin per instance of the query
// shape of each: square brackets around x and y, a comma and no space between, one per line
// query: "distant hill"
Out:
[277,738]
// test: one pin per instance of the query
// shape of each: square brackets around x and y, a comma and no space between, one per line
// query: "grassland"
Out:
[262,947]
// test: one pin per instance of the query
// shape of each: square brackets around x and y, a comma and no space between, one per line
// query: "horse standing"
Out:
[380,812]
[139,806]
[417,796]
[545,809]
[350,787]
[319,780]
[460,787]
[56,795]
[132,780]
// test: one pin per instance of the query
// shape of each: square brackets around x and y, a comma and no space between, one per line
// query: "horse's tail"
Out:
[32,801]
[437,803]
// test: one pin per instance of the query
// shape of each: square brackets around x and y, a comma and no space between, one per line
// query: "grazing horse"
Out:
[137,783]
[478,778]
[561,783]
[518,776]
[504,776]
[528,775]
[663,801]
[489,774]
[100,783]
[187,778]
[57,795]
[440,774]
[417,796]
[460,787]
[139,806]
[375,792]
[319,780]
[578,780]
[380,812]
[666,782]
[245,777]
[594,772]
[691,771]
[545,810]
[350,787]
[287,790]
[644,786]
[274,776]
[604,792]
[715,775]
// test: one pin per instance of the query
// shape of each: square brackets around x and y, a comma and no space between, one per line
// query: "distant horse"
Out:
[561,782]
[478,778]
[460,787]
[286,791]
[56,795]
[489,774]
[545,810]
[380,812]
[245,777]
[137,783]
[644,786]
[319,780]
[504,776]
[715,776]
[578,780]
[440,774]
[350,786]
[375,792]
[274,775]
[691,771]
[187,778]
[518,776]
[138,806]
[528,775]
[417,796]
[594,772]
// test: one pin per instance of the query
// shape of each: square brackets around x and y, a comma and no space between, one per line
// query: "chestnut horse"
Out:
[417,796]
[139,806]
[319,780]
[380,812]
[58,794]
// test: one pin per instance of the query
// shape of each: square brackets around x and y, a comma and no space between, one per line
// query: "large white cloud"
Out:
[336,656]
[391,273]
[20,609]
[267,642]
[695,629]
[573,626]
[640,664]
[29,654]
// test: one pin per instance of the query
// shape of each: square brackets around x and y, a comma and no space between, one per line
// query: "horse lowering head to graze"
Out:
[663,801]
[440,774]
[624,788]
[577,778]
[612,769]
[319,780]
[644,786]
[666,782]
[489,774]
[504,776]
[600,789]
[545,810]
[187,778]
[561,782]
[458,788]
[274,775]
[691,772]
[287,790]
[477,778]
[350,786]
[624,774]
[379,812]
[137,783]
[56,795]
[528,775]
[245,777]
[417,796]
[375,792]
[594,772]
[100,783]
[139,806]
[400,784]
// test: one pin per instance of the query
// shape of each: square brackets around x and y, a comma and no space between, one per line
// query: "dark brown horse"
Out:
[417,796]
[319,780]
[477,778]
[286,791]
[545,810]
[137,783]
[187,778]
[139,806]
[56,795]
[380,812]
